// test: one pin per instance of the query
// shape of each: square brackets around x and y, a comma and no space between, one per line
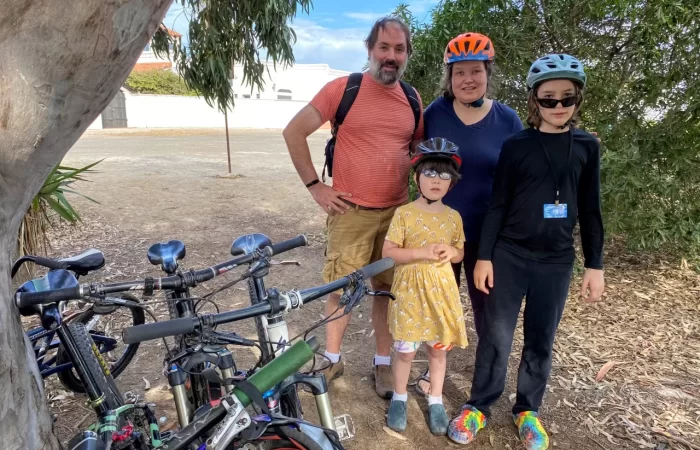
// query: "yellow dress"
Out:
[427,305]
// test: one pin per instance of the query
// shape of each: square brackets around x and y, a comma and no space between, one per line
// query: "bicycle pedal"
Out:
[344,426]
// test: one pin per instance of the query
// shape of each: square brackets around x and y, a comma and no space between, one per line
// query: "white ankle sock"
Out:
[434,400]
[333,357]
[400,397]
[382,360]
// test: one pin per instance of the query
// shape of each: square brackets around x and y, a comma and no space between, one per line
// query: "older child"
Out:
[547,177]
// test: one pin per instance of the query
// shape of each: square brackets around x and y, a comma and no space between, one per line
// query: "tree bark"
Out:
[61,62]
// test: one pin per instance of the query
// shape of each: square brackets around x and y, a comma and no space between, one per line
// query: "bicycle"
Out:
[192,391]
[273,336]
[228,421]
[50,354]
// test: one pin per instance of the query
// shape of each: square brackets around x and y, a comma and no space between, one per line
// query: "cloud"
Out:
[419,7]
[340,48]
[366,16]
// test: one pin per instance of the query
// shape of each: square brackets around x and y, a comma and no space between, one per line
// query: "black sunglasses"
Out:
[552,102]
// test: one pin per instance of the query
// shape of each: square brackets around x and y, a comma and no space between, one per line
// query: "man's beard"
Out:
[375,68]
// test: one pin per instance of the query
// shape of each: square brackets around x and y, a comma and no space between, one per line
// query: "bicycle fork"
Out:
[177,379]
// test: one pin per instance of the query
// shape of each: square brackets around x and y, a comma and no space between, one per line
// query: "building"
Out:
[148,59]
[298,82]
[285,92]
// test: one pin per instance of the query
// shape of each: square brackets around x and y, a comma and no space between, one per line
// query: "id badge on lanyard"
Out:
[557,210]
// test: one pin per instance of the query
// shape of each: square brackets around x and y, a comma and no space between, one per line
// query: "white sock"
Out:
[333,357]
[400,397]
[434,400]
[382,360]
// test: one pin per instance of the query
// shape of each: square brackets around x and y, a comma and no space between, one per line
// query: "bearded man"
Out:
[370,167]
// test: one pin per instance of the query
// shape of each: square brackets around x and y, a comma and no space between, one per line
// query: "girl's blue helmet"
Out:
[556,66]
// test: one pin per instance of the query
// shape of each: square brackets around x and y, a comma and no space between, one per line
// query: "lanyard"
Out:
[557,180]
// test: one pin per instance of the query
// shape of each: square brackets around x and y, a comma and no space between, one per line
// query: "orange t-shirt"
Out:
[371,151]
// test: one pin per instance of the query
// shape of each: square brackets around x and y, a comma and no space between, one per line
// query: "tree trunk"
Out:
[61,62]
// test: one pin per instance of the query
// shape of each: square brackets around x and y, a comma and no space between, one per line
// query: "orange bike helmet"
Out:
[469,47]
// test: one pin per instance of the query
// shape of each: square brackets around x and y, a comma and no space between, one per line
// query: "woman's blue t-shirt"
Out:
[479,146]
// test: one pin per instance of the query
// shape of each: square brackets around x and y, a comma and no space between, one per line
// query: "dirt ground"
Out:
[160,185]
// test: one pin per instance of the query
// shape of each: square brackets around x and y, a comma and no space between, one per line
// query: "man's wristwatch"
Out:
[308,185]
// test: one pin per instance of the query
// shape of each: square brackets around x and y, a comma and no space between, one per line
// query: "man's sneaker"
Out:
[463,428]
[334,370]
[532,433]
[396,418]
[383,381]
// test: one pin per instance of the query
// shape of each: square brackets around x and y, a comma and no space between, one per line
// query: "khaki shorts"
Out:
[355,239]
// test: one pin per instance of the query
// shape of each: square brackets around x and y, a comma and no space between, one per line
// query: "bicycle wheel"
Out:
[282,438]
[103,378]
[118,358]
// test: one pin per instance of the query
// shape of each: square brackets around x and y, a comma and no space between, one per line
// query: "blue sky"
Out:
[333,32]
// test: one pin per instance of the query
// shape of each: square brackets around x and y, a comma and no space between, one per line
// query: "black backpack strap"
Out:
[351,89]
[412,97]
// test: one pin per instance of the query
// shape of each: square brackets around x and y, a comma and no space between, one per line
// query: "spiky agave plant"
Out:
[51,199]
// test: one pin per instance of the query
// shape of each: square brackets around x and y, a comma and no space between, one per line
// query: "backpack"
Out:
[351,89]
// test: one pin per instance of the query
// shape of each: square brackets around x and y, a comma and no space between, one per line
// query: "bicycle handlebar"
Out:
[26,299]
[276,302]
[186,279]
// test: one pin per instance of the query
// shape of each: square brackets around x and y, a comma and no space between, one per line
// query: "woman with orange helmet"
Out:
[478,125]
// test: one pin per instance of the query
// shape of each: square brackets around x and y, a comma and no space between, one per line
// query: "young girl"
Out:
[547,177]
[424,238]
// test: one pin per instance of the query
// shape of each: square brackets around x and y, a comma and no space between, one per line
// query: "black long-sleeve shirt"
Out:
[524,183]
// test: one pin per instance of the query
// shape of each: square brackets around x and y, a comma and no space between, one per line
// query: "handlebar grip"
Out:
[376,268]
[49,263]
[287,245]
[26,299]
[149,331]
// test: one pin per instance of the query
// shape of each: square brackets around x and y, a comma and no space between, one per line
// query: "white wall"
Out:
[171,111]
[304,80]
[96,124]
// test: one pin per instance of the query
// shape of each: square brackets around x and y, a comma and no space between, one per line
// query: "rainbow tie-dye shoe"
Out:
[532,433]
[463,428]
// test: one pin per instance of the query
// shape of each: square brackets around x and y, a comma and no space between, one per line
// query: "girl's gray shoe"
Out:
[438,420]
[396,419]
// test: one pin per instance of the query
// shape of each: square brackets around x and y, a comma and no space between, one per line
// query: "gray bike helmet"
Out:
[556,66]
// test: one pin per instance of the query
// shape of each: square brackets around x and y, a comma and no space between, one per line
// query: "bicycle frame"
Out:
[278,335]
[199,388]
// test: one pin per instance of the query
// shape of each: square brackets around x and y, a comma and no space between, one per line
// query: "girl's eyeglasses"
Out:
[552,102]
[430,173]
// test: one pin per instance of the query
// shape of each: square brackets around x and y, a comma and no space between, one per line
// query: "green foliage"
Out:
[32,238]
[643,62]
[222,32]
[157,81]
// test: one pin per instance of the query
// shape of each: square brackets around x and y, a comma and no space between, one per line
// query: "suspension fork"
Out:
[319,388]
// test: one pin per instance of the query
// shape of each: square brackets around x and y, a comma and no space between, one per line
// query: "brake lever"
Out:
[230,338]
[263,261]
[381,294]
[284,263]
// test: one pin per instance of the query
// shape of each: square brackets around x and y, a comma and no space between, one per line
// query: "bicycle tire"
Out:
[104,380]
[259,326]
[69,378]
[289,438]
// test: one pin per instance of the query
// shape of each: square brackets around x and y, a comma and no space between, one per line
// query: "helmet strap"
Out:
[427,200]
[478,103]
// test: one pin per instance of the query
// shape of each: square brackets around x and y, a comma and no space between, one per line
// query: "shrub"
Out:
[163,82]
